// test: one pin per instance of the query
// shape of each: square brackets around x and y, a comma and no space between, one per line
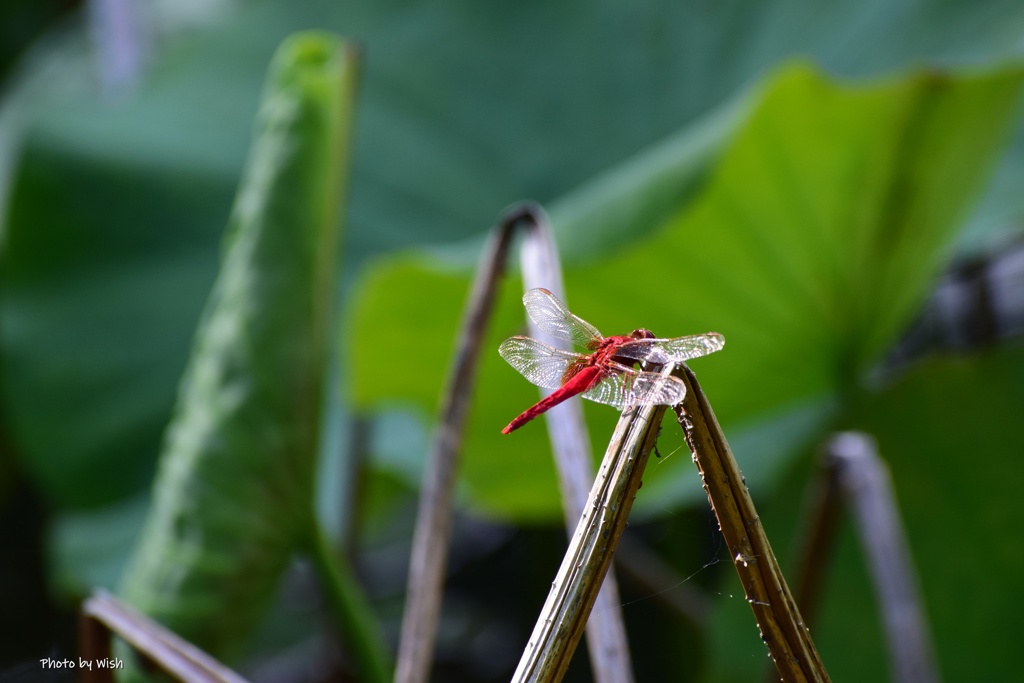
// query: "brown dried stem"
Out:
[433,523]
[782,627]
[586,562]
[822,509]
[570,443]
[852,461]
[102,614]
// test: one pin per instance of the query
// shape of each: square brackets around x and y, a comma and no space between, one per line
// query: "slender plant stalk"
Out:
[352,480]
[606,634]
[822,508]
[94,640]
[432,534]
[586,562]
[122,44]
[102,615]
[867,491]
[782,627]
[359,628]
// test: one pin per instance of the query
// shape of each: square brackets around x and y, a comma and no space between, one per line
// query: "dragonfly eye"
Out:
[642,334]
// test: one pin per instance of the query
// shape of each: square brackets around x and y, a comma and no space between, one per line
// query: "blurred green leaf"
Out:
[949,431]
[817,233]
[821,228]
[89,549]
[234,494]
[111,223]
[117,204]
[93,340]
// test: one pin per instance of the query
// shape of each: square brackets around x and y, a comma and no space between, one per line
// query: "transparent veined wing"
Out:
[632,388]
[613,390]
[553,318]
[543,365]
[653,388]
[674,350]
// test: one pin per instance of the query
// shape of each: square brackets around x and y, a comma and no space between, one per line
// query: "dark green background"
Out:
[649,132]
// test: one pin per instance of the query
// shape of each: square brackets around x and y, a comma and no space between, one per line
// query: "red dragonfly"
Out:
[606,374]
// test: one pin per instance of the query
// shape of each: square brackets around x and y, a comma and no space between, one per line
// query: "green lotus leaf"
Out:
[234,494]
[823,219]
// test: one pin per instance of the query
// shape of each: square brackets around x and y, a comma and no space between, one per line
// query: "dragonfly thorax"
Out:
[606,349]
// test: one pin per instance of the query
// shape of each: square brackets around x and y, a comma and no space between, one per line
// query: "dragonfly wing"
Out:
[632,388]
[553,318]
[652,388]
[675,350]
[613,390]
[543,365]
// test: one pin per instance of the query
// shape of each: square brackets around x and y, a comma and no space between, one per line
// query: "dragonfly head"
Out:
[642,334]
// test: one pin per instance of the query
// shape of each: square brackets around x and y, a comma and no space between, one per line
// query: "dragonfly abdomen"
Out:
[581,382]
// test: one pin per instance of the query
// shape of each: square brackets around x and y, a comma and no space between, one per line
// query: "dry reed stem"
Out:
[586,562]
[607,643]
[102,614]
[782,628]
